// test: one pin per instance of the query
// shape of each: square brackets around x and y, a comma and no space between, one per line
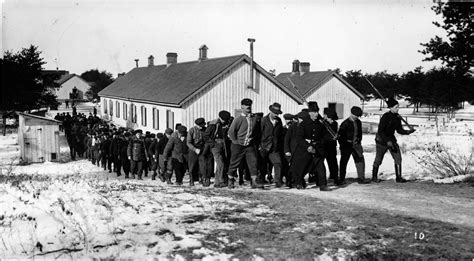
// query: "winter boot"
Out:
[191,180]
[162,176]
[231,183]
[153,177]
[256,184]
[398,174]
[360,167]
[126,176]
[375,171]
[168,178]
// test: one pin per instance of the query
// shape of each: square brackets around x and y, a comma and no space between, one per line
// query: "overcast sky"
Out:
[108,35]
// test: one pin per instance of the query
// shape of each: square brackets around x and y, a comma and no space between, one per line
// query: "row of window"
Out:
[143,113]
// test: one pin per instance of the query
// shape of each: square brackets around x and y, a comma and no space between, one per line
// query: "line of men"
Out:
[250,147]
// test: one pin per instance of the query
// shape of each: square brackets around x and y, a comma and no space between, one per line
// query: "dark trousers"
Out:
[380,151]
[136,167]
[154,163]
[275,159]
[357,155]
[117,164]
[238,152]
[179,170]
[125,164]
[72,151]
[164,164]
[285,170]
[103,160]
[331,159]
[303,163]
[222,162]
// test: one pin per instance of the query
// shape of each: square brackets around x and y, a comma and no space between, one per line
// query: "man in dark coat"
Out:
[115,152]
[285,164]
[104,150]
[148,141]
[137,154]
[216,137]
[291,144]
[310,150]
[350,143]
[385,140]
[330,146]
[164,162]
[244,134]
[153,158]
[177,149]
[270,143]
[198,157]
[124,161]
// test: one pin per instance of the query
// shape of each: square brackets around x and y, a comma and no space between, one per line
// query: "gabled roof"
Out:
[65,78]
[39,117]
[177,83]
[310,82]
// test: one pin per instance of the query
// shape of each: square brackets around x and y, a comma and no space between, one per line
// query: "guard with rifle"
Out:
[330,122]
[310,150]
[385,140]
[350,143]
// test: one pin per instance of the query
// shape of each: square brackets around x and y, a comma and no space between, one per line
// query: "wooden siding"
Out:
[227,92]
[38,139]
[119,121]
[334,91]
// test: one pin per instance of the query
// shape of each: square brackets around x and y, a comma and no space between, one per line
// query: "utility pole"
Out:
[251,40]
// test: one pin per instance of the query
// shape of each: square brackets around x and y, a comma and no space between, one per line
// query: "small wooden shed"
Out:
[38,138]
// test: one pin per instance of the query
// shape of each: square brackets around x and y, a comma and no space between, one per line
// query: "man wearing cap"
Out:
[137,154]
[106,161]
[164,162]
[147,164]
[270,146]
[244,134]
[385,140]
[310,150]
[177,149]
[153,159]
[350,143]
[124,161]
[285,164]
[330,119]
[216,137]
[198,159]
[115,152]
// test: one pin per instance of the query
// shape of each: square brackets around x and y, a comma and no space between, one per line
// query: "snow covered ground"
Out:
[77,210]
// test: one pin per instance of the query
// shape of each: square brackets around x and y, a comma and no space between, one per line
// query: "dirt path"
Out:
[394,198]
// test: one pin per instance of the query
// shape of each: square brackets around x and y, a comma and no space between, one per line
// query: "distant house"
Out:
[154,98]
[327,88]
[71,86]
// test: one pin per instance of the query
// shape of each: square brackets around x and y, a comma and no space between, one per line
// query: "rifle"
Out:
[328,127]
[383,98]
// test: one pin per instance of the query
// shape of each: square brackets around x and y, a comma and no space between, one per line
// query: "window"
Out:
[156,119]
[169,119]
[105,106]
[125,111]
[117,109]
[134,113]
[143,115]
[111,108]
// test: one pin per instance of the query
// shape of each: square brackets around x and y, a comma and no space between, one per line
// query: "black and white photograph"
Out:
[237,130]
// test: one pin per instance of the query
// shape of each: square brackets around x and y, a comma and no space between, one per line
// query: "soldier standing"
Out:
[385,140]
[350,143]
[137,154]
[270,143]
[244,134]
[216,136]
[291,144]
[310,149]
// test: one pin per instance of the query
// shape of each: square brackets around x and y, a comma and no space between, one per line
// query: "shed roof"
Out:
[309,82]
[39,117]
[176,83]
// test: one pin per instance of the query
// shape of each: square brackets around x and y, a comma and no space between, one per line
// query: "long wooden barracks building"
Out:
[156,97]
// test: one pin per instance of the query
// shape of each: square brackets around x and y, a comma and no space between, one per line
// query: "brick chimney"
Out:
[304,68]
[151,60]
[136,62]
[203,52]
[171,58]
[296,66]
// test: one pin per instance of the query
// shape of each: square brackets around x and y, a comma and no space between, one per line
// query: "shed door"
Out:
[40,146]
[30,150]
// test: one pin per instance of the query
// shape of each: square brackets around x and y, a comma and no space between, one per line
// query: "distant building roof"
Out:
[309,82]
[176,83]
[65,78]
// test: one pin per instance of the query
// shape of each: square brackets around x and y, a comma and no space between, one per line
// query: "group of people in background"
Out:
[253,147]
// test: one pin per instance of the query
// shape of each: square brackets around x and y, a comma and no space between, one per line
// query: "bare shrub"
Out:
[440,160]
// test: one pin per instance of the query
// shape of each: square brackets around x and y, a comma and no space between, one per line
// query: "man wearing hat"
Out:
[270,146]
[178,150]
[385,140]
[115,152]
[124,161]
[285,164]
[310,150]
[291,144]
[244,134]
[330,120]
[164,162]
[217,139]
[137,154]
[198,158]
[350,143]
